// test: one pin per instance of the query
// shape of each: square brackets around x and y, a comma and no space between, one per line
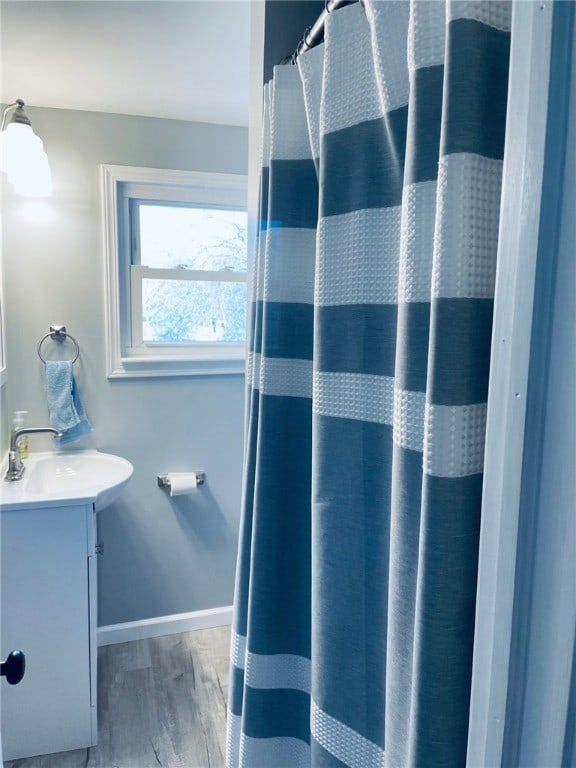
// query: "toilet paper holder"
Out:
[164,480]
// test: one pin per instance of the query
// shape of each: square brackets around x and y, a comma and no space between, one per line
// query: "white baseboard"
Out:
[164,625]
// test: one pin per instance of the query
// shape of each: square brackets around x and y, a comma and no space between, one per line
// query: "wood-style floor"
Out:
[161,702]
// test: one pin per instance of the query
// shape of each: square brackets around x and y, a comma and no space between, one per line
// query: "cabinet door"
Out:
[45,611]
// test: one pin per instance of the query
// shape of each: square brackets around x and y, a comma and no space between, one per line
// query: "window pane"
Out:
[190,310]
[193,238]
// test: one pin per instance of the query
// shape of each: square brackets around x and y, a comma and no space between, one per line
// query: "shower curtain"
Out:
[367,377]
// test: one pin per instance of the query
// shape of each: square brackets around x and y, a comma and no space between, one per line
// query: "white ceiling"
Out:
[178,59]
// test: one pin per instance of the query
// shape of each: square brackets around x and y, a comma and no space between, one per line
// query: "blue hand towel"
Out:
[65,407]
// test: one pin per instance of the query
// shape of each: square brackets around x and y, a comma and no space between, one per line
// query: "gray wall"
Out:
[285,24]
[4,422]
[161,556]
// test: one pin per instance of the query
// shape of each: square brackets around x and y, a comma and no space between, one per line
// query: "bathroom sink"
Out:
[68,477]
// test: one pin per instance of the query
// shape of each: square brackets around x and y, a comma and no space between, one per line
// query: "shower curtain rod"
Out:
[314,35]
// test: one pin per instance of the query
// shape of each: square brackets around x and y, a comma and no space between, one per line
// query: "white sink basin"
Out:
[71,477]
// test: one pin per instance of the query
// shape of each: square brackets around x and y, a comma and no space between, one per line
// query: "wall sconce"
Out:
[22,155]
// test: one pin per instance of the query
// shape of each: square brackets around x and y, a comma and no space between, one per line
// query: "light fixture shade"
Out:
[23,159]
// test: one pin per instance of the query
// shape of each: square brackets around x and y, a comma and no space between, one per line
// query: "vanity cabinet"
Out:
[49,612]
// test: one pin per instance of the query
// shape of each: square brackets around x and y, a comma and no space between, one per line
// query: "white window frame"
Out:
[127,355]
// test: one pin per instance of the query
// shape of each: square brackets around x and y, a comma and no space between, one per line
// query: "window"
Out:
[176,269]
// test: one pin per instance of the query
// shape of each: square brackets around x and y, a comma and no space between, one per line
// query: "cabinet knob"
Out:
[14,667]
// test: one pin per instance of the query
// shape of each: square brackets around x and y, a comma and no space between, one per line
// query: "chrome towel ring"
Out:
[58,333]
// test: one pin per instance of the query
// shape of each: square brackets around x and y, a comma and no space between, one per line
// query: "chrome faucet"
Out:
[15,466]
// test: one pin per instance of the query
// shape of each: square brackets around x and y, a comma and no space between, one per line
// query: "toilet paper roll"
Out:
[182,483]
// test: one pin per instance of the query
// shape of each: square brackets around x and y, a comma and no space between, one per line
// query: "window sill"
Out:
[149,367]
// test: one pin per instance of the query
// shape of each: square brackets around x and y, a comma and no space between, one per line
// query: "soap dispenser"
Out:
[18,423]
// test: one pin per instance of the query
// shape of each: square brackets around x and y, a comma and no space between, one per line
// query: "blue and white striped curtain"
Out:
[367,385]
